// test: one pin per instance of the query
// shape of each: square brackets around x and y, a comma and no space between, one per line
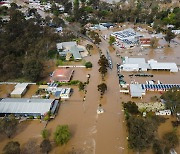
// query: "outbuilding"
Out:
[20,90]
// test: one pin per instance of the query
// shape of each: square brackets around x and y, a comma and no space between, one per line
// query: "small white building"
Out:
[163,112]
[20,90]
[136,90]
[63,93]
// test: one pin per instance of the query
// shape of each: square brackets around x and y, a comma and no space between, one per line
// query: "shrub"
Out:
[88,64]
[31,117]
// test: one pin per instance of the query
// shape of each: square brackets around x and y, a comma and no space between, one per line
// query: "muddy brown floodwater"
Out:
[105,133]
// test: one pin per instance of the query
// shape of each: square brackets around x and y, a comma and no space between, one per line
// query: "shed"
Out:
[20,90]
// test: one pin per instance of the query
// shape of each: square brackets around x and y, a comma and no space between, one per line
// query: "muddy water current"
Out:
[105,133]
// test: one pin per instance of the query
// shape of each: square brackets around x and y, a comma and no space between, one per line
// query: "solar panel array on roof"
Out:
[159,86]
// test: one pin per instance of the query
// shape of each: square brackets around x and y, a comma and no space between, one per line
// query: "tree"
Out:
[8,125]
[141,133]
[103,61]
[169,36]
[172,98]
[157,149]
[154,43]
[111,40]
[45,133]
[170,140]
[32,68]
[62,134]
[88,64]
[12,148]
[30,147]
[45,146]
[103,71]
[102,88]
[131,107]
[89,47]
[81,86]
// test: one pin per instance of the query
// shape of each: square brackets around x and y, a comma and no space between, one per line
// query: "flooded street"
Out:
[104,133]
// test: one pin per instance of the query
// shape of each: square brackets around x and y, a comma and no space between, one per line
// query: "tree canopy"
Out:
[8,125]
[12,148]
[62,134]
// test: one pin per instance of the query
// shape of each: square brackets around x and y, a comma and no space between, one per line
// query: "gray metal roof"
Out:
[75,51]
[25,105]
[136,90]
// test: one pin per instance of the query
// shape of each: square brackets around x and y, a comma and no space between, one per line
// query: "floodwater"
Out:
[105,133]
[6,89]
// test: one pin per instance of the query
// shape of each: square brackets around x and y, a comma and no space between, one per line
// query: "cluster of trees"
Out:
[24,44]
[95,37]
[143,131]
[103,63]
[61,136]
[171,99]
[8,125]
[141,11]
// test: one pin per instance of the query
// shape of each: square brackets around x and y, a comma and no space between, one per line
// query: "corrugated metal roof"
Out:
[25,105]
[19,88]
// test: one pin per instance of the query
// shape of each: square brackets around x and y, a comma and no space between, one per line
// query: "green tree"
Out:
[170,140]
[88,64]
[30,147]
[32,69]
[169,36]
[103,61]
[12,148]
[8,125]
[45,146]
[131,107]
[45,133]
[102,88]
[111,40]
[62,134]
[154,43]
[172,98]
[157,148]
[89,47]
[141,133]
[81,86]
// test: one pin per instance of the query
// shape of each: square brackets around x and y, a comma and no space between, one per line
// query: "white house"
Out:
[20,90]
[163,112]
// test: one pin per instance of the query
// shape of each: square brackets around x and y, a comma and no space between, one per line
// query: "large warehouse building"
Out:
[139,64]
[24,107]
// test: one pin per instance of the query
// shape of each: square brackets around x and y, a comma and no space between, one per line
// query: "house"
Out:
[24,107]
[70,47]
[20,90]
[62,75]
[63,93]
[163,112]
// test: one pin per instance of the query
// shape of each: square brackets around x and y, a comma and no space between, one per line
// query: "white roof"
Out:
[134,60]
[25,105]
[66,45]
[136,90]
[19,88]
[168,66]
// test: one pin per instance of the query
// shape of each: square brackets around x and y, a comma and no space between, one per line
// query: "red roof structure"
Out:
[62,75]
